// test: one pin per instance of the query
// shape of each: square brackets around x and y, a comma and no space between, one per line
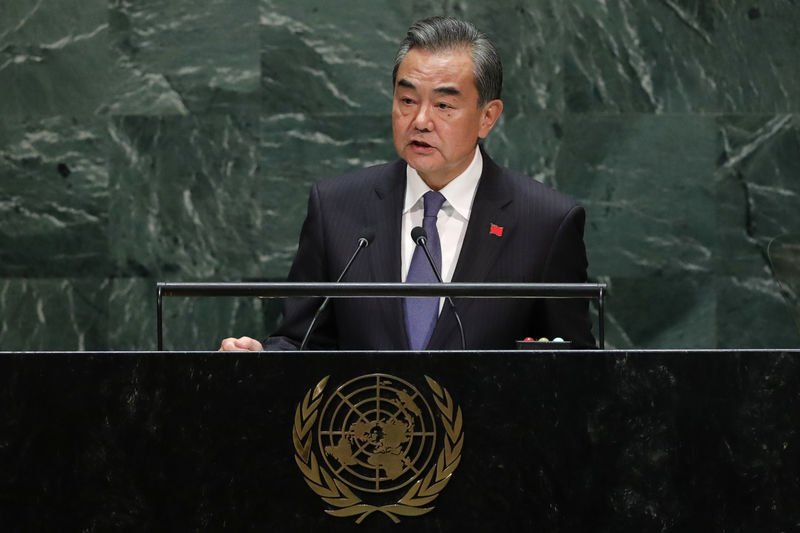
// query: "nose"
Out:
[422,120]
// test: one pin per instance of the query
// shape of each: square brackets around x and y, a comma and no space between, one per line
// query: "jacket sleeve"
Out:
[566,263]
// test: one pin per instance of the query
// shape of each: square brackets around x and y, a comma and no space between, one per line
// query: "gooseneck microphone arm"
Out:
[420,237]
[363,242]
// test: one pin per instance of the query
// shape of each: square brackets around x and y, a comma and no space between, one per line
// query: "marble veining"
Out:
[151,141]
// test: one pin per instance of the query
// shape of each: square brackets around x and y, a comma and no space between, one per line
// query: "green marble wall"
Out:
[175,141]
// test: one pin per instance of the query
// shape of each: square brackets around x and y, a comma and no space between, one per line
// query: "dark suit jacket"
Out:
[542,241]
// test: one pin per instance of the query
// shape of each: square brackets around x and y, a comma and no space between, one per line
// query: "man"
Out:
[488,224]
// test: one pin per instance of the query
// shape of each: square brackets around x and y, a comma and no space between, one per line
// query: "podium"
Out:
[590,291]
[535,441]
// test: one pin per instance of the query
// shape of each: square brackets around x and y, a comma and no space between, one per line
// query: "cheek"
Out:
[398,133]
[398,119]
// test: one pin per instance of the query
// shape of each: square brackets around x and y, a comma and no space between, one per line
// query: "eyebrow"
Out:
[449,90]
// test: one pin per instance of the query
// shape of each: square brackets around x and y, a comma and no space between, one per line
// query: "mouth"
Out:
[421,145]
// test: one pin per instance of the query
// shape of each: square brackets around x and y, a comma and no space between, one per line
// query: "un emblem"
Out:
[377,436]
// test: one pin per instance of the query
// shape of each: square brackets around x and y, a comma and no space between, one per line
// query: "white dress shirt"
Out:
[453,216]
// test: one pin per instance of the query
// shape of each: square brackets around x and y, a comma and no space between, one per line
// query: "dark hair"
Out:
[439,34]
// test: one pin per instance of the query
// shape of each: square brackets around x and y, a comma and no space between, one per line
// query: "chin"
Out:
[424,161]
[420,166]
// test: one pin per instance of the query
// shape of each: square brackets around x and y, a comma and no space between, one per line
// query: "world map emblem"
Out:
[376,444]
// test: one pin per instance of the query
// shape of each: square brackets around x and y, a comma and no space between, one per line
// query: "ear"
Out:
[489,115]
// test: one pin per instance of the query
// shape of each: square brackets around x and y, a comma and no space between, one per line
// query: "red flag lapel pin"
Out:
[494,229]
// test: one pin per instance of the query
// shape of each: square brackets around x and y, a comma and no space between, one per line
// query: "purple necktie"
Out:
[422,313]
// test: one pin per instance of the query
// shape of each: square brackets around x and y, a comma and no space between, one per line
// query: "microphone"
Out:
[361,243]
[420,238]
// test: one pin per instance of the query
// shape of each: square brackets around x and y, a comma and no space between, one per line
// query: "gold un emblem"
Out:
[376,437]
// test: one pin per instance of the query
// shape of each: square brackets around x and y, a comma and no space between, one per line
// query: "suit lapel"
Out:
[481,245]
[385,260]
[386,216]
[487,218]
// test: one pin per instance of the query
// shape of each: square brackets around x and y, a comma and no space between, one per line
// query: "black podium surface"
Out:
[558,441]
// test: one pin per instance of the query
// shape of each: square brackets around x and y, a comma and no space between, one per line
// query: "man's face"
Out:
[436,120]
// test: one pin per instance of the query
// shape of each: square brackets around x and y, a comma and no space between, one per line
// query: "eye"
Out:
[442,105]
[406,100]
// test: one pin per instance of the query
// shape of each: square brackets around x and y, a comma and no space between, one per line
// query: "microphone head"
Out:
[367,236]
[419,235]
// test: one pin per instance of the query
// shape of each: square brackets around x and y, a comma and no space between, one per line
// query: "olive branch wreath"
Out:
[336,493]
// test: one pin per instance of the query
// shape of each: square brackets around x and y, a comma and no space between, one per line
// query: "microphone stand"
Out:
[421,240]
[362,243]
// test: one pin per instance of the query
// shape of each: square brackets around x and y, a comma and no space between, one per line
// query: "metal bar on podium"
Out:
[594,291]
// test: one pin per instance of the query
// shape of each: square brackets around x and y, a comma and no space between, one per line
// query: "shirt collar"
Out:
[459,193]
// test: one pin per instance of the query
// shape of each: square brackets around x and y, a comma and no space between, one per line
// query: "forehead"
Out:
[449,67]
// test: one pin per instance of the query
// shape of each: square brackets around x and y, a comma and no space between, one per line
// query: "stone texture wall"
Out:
[175,141]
